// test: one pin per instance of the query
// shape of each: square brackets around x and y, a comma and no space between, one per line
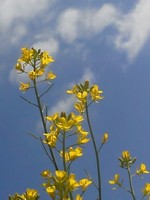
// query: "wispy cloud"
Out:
[46,42]
[70,24]
[15,15]
[134,29]
[80,23]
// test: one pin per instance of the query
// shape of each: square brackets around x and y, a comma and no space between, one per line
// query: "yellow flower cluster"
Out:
[30,194]
[33,63]
[61,184]
[126,160]
[84,93]
[62,124]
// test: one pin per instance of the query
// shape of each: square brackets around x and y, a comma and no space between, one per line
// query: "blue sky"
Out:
[107,42]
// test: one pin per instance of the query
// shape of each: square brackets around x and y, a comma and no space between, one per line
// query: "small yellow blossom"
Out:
[51,191]
[105,138]
[39,72]
[126,156]
[82,95]
[32,75]
[74,90]
[80,107]
[96,94]
[72,184]
[76,118]
[46,59]
[142,170]
[31,194]
[64,123]
[52,117]
[24,86]
[82,135]
[78,197]
[146,189]
[84,183]
[115,180]
[50,76]
[19,67]
[51,139]
[72,154]
[27,55]
[46,174]
[126,160]
[60,176]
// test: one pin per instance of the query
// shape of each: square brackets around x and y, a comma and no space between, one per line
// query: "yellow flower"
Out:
[76,118]
[27,55]
[72,154]
[51,191]
[78,197]
[46,174]
[31,194]
[82,138]
[80,107]
[105,138]
[60,176]
[84,183]
[142,170]
[19,67]
[146,189]
[24,86]
[32,75]
[82,135]
[64,123]
[51,139]
[46,59]
[126,156]
[126,160]
[16,196]
[115,180]
[82,95]
[50,76]
[96,93]
[72,184]
[52,117]
[39,72]
[74,90]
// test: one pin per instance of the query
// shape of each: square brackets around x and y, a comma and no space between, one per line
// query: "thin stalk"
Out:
[96,155]
[63,147]
[43,121]
[130,182]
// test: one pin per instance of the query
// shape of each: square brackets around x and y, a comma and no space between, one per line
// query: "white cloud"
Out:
[11,10]
[15,15]
[134,29]
[46,42]
[81,23]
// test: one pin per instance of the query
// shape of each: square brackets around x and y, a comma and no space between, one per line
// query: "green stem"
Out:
[63,147]
[43,121]
[130,182]
[96,155]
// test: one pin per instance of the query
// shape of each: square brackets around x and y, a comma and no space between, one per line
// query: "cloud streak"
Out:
[134,29]
[72,24]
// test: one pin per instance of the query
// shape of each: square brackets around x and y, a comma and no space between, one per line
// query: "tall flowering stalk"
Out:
[86,95]
[64,136]
[126,162]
